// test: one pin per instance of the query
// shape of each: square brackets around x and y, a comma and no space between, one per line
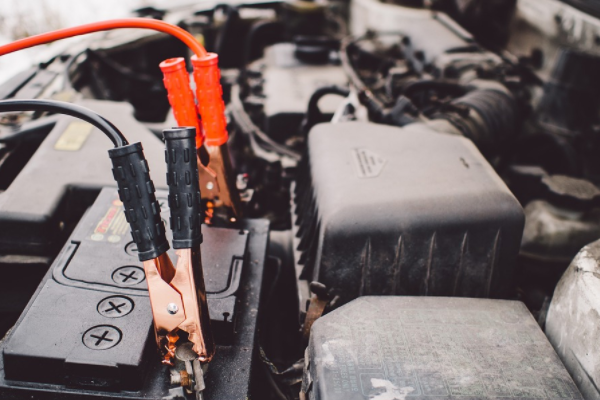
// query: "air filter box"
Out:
[385,348]
[407,211]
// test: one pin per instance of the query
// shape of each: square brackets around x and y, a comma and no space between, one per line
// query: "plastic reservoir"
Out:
[573,323]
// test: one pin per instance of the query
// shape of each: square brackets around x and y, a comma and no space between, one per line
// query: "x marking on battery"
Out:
[101,338]
[128,276]
[115,307]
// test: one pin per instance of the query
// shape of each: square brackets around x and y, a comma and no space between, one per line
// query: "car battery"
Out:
[40,207]
[432,348]
[87,332]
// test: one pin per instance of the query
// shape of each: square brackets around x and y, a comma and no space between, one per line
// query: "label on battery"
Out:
[113,226]
[368,163]
[73,138]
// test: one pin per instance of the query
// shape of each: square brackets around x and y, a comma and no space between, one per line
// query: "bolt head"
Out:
[172,308]
[210,186]
[241,182]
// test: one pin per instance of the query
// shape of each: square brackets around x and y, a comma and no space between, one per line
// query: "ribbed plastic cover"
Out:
[404,211]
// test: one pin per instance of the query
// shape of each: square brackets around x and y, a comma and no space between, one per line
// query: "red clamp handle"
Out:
[181,97]
[210,98]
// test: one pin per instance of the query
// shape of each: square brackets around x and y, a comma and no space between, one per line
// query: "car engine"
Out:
[305,200]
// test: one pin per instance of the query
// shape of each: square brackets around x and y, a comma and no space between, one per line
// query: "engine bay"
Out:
[393,200]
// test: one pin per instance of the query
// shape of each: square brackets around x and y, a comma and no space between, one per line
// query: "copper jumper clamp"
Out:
[178,301]
[177,294]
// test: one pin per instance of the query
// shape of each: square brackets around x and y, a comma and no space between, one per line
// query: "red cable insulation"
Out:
[143,23]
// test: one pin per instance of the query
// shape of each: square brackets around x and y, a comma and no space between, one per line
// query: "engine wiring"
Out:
[313,113]
[244,122]
[121,69]
[373,103]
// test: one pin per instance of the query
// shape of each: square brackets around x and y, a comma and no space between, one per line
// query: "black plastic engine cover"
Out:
[419,348]
[406,211]
[88,330]
[287,84]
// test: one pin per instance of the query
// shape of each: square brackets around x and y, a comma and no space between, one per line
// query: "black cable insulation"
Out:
[313,113]
[365,94]
[73,110]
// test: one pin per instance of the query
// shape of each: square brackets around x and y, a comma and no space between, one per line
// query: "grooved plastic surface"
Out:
[404,211]
[210,99]
[136,191]
[417,348]
[181,97]
[184,188]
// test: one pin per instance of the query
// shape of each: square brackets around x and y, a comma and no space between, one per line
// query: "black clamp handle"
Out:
[136,191]
[184,189]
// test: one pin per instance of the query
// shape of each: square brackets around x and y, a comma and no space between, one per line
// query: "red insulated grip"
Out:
[181,97]
[210,98]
